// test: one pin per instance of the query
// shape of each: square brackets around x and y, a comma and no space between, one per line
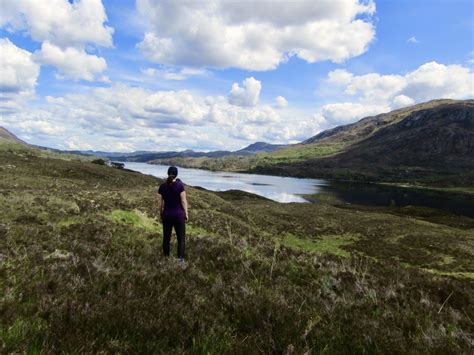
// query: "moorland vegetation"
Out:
[81,270]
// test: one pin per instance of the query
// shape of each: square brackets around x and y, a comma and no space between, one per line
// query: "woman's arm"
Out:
[184,203]
[161,203]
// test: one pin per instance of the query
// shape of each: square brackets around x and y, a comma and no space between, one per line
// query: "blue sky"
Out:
[165,75]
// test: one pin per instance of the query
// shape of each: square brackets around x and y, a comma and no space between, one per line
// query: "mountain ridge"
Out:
[430,141]
[7,137]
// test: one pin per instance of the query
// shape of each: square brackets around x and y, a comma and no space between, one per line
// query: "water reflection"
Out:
[281,189]
[286,189]
[393,196]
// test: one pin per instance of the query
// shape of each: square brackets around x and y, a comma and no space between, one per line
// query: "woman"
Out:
[174,211]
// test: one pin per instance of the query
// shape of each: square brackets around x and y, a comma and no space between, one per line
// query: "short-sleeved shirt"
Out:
[171,196]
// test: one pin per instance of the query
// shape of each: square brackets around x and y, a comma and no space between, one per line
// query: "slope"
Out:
[82,271]
[428,144]
[8,137]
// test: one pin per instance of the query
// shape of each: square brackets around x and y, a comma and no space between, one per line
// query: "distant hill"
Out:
[258,147]
[430,141]
[8,137]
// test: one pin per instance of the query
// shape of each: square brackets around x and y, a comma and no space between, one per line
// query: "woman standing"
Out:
[174,211]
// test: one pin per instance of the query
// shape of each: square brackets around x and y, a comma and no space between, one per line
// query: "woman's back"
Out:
[171,196]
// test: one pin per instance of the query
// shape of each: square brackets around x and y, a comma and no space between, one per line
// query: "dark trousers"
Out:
[179,226]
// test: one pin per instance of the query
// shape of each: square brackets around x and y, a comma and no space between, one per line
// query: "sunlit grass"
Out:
[134,218]
[332,244]
[81,271]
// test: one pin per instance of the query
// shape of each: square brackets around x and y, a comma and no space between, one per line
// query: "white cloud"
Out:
[18,76]
[150,72]
[65,29]
[412,40]
[433,81]
[36,127]
[342,113]
[18,72]
[174,73]
[121,117]
[247,95]
[254,35]
[373,93]
[59,22]
[402,101]
[340,77]
[281,102]
[373,85]
[430,81]
[72,63]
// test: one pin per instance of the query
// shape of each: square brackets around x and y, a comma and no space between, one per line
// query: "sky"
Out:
[124,75]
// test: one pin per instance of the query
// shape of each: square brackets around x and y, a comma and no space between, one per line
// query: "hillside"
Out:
[8,137]
[252,149]
[367,126]
[259,147]
[82,270]
[441,137]
[390,147]
[431,145]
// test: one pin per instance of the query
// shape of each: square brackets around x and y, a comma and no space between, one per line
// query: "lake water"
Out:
[281,189]
[287,189]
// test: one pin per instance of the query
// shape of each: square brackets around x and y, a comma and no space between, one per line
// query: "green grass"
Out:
[134,218]
[466,275]
[81,271]
[331,244]
[296,153]
[302,152]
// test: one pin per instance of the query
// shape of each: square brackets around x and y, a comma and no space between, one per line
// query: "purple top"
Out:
[172,198]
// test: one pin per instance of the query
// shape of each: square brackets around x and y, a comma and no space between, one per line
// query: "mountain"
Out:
[433,141]
[8,137]
[437,137]
[367,126]
[258,147]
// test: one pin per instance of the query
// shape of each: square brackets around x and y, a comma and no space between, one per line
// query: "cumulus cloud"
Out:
[72,63]
[65,29]
[18,72]
[18,75]
[402,101]
[430,81]
[60,22]
[254,35]
[281,102]
[247,94]
[433,80]
[374,93]
[412,40]
[104,117]
[341,113]
[40,127]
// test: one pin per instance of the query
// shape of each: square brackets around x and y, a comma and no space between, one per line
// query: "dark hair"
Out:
[170,179]
[172,173]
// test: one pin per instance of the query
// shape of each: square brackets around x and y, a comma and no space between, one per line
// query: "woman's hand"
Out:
[186,218]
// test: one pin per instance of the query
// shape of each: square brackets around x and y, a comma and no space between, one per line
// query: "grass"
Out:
[134,218]
[302,152]
[81,271]
[332,244]
[291,154]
